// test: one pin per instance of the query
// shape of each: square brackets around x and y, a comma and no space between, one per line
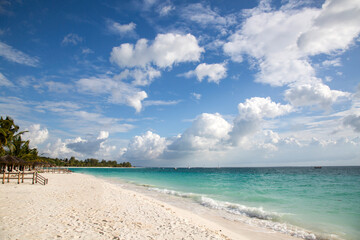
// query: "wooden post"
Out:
[3,177]
[18,177]
[8,176]
[23,175]
[33,178]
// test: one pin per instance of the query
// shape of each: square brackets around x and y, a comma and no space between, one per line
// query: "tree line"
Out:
[12,144]
[89,162]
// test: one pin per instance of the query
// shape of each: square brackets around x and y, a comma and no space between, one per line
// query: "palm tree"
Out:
[7,132]
[11,142]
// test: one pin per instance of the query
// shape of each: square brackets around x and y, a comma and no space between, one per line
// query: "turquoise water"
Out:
[325,202]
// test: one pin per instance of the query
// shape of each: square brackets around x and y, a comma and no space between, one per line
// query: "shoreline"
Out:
[83,206]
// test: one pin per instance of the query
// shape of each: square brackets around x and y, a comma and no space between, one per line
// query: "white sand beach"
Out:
[77,206]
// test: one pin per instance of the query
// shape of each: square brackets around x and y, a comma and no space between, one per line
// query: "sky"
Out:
[185,83]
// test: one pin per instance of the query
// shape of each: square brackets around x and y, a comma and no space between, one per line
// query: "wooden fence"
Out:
[54,170]
[34,176]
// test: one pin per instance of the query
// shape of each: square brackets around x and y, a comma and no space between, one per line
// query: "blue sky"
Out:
[185,83]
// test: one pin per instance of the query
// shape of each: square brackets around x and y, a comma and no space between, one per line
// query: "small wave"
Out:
[253,216]
[238,209]
[175,193]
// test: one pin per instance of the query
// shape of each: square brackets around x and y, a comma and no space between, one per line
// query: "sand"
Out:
[78,206]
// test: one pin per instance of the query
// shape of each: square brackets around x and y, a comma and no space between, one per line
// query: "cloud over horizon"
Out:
[175,83]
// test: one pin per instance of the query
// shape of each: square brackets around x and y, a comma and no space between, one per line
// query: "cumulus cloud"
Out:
[71,39]
[85,147]
[251,114]
[118,91]
[333,29]
[142,76]
[281,41]
[4,81]
[121,29]
[36,135]
[14,55]
[103,135]
[205,133]
[80,148]
[165,50]
[59,149]
[313,94]
[352,121]
[148,146]
[88,147]
[258,107]
[213,72]
[270,38]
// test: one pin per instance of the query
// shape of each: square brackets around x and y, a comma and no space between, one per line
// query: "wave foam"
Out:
[253,216]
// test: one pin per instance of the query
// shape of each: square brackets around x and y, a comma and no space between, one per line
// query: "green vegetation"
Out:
[12,144]
[90,162]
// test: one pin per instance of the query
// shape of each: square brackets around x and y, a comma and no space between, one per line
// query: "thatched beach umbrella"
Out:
[12,161]
[8,159]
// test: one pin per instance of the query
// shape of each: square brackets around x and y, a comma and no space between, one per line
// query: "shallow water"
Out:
[325,201]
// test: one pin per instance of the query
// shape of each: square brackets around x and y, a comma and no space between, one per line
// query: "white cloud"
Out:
[4,81]
[71,39]
[80,148]
[103,135]
[270,38]
[160,103]
[204,15]
[61,107]
[58,87]
[149,3]
[120,92]
[87,51]
[142,76]
[335,28]
[313,94]
[86,147]
[205,133]
[352,121]
[251,114]
[121,29]
[148,146]
[14,55]
[59,149]
[77,120]
[166,50]
[213,72]
[280,43]
[197,96]
[357,93]
[165,10]
[36,135]
[332,63]
[257,107]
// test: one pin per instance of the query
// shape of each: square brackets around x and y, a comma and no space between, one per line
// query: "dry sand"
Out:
[77,206]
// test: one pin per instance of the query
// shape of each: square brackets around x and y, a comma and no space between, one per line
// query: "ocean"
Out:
[307,202]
